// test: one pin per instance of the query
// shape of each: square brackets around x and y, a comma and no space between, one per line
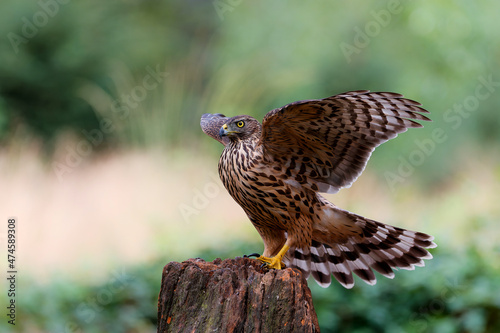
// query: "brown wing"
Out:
[211,124]
[330,140]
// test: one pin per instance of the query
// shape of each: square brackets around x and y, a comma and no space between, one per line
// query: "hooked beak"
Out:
[224,132]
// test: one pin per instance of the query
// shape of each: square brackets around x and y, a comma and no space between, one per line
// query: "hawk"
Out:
[277,170]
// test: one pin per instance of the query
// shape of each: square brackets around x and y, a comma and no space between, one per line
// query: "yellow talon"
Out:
[275,262]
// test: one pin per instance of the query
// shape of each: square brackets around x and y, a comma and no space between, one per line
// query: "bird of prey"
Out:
[277,170]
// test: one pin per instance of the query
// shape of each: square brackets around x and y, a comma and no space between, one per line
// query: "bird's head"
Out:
[240,128]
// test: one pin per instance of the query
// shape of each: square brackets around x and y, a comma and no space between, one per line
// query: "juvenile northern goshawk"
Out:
[277,170]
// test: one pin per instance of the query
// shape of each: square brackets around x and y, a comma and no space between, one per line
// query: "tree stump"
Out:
[234,295]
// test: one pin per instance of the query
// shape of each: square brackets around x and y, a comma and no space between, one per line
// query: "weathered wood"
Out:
[234,295]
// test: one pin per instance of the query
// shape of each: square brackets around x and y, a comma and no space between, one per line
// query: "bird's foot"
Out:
[272,263]
[266,262]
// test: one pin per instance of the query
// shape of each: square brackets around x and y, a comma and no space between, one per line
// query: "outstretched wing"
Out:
[330,140]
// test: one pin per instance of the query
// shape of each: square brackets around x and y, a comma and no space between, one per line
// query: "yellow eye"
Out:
[240,123]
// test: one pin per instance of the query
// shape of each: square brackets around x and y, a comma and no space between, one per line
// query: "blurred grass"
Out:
[234,66]
[69,262]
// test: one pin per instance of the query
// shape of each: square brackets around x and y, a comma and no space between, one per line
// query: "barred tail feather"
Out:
[320,267]
[382,249]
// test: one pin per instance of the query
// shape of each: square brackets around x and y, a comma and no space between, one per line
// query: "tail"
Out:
[381,248]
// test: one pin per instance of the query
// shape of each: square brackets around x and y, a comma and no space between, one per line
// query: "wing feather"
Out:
[331,139]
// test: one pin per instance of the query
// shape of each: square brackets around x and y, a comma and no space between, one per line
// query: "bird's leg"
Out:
[275,262]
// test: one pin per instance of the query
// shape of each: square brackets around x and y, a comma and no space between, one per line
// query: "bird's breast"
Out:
[257,186]
[239,168]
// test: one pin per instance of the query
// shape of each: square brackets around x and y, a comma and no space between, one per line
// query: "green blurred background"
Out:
[104,165]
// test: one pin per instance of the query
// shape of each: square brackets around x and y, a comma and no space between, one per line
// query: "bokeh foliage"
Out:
[241,58]
[47,66]
[461,298]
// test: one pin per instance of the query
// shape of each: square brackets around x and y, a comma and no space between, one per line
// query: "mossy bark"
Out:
[234,295]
